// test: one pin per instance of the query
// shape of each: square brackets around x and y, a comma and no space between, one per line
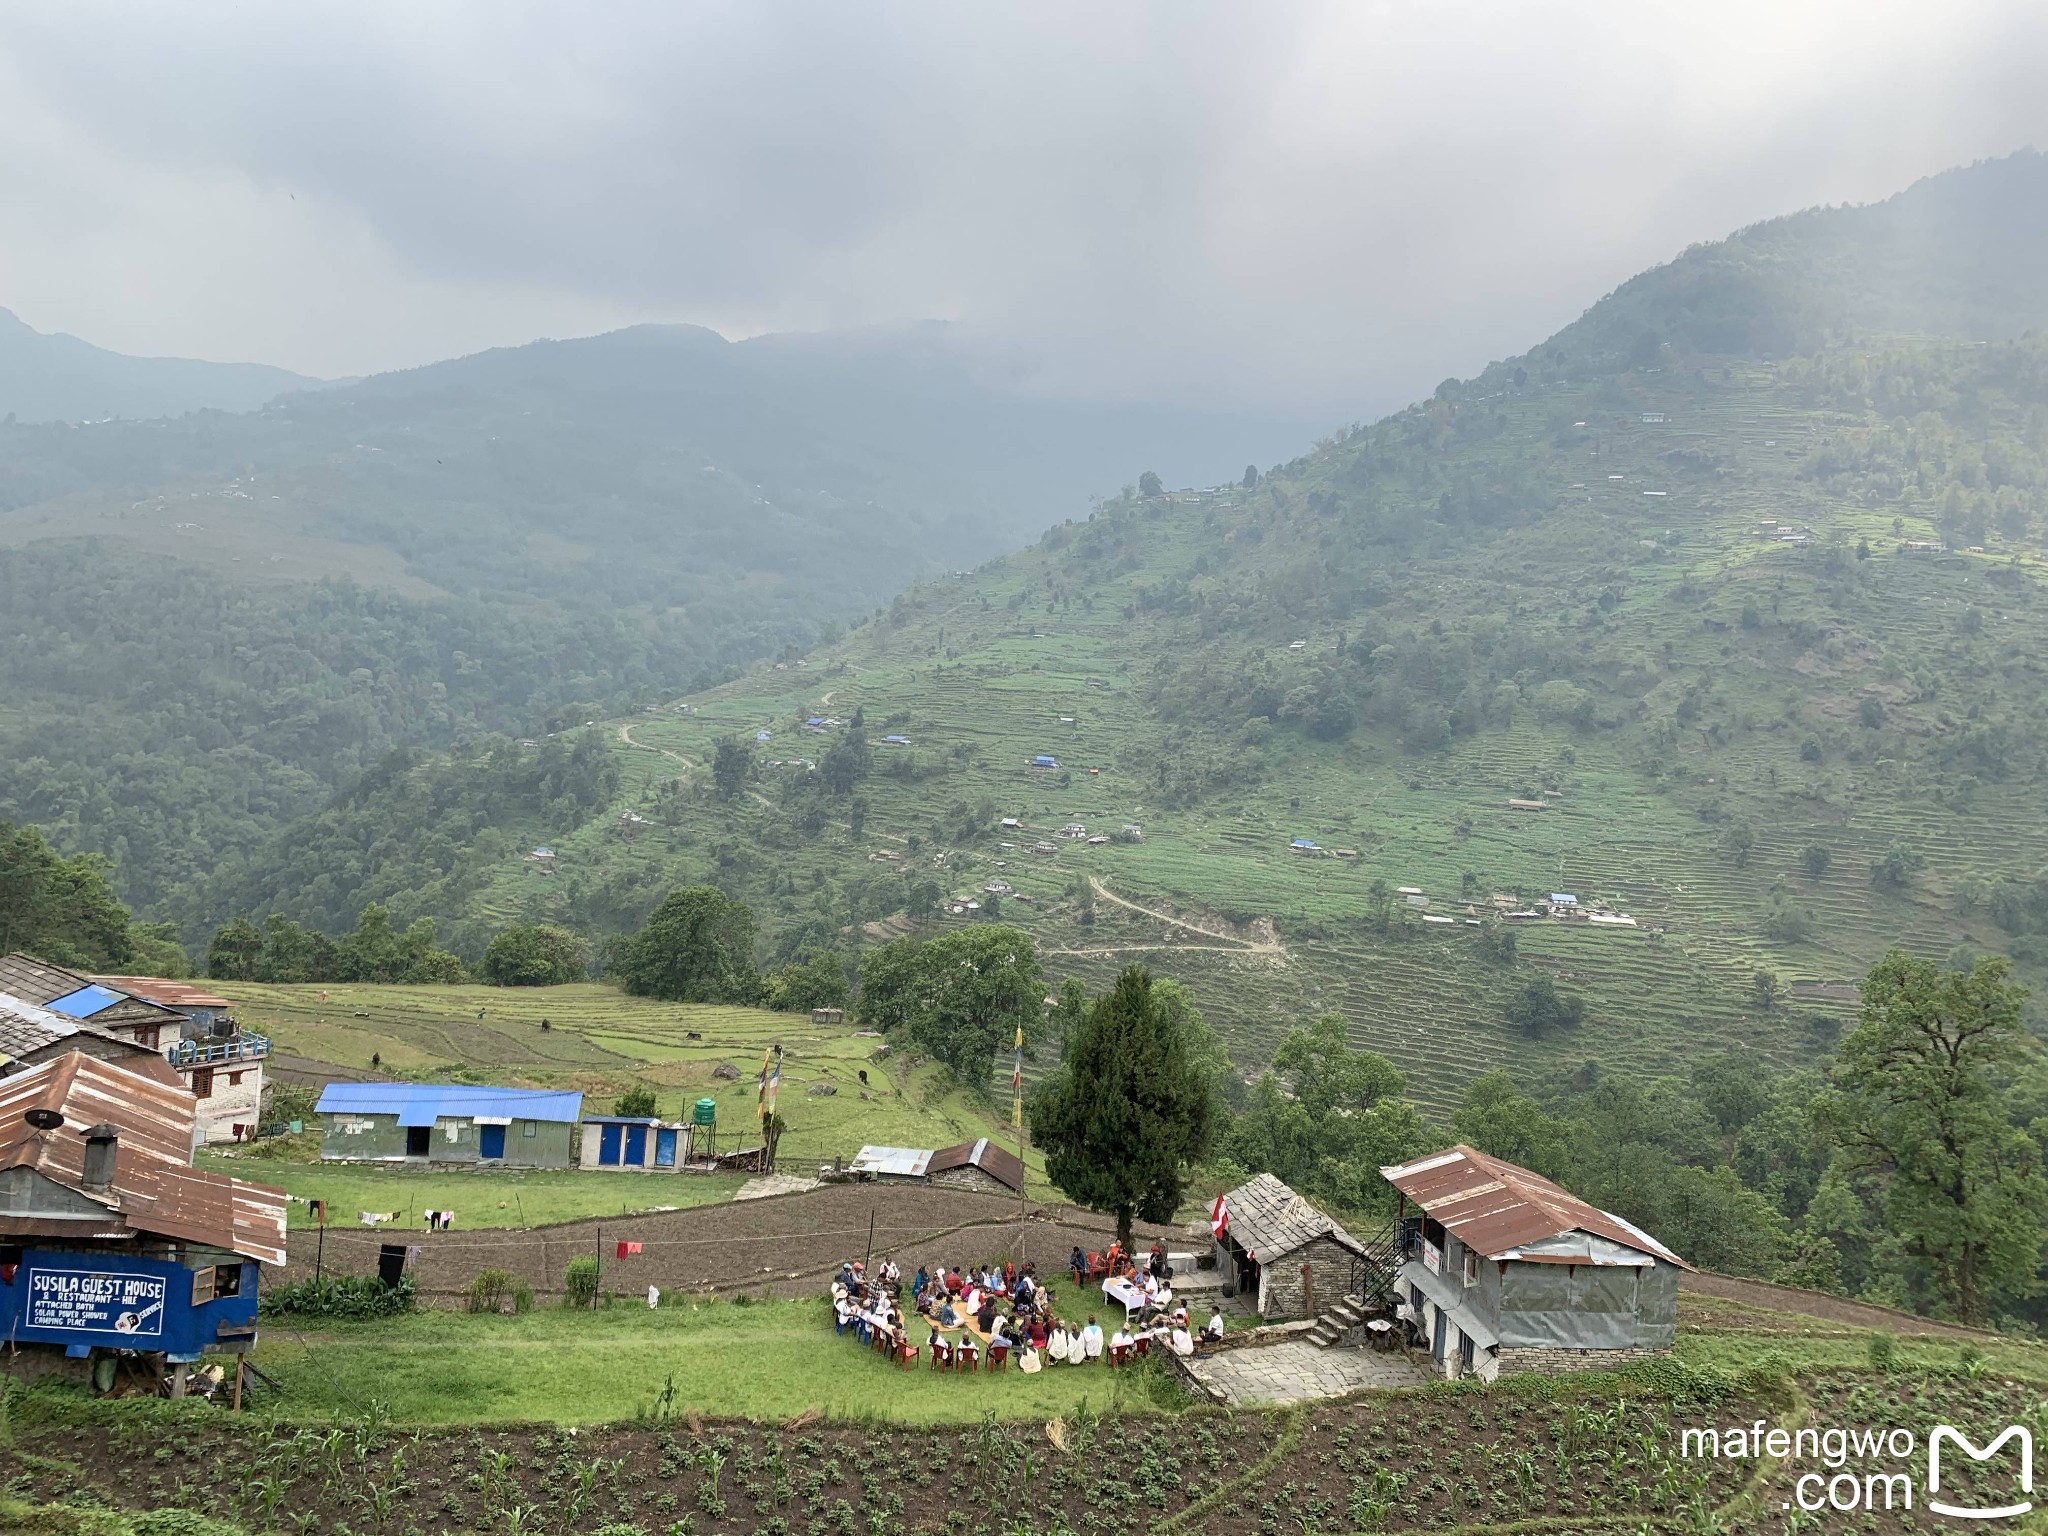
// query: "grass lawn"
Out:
[767,1360]
[530,1199]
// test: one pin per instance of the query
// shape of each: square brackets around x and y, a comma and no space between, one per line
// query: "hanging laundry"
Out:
[375,1218]
[654,1296]
[627,1249]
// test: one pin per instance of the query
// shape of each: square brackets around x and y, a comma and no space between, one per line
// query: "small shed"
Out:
[1272,1245]
[1502,1270]
[630,1142]
[448,1123]
[977,1165]
[898,1165]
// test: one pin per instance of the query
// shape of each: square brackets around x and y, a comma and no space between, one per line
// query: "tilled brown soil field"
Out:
[785,1243]
[1576,1456]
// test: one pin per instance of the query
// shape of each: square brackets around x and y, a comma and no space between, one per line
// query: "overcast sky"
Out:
[1311,207]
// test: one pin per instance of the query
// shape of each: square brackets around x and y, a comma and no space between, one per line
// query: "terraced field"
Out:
[603,1042]
[1726,669]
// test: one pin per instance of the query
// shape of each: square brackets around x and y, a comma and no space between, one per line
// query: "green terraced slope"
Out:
[1672,593]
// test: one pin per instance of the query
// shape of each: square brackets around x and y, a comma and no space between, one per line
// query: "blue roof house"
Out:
[448,1123]
[1045,760]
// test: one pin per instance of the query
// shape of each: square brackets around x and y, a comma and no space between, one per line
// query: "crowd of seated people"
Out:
[991,1313]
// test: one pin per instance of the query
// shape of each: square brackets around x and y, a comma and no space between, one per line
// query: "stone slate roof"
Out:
[999,1163]
[1268,1220]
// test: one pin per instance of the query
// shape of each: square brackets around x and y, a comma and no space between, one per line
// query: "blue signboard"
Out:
[125,1303]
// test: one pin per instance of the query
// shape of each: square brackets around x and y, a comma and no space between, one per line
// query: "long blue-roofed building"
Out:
[442,1123]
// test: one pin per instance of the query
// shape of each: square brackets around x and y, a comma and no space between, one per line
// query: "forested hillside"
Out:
[215,622]
[1756,642]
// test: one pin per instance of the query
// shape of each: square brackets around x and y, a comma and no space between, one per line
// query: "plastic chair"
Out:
[942,1355]
[1119,1353]
[905,1353]
[1144,1344]
[965,1356]
[998,1357]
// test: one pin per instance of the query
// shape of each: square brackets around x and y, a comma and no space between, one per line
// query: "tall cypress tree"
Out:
[1129,1111]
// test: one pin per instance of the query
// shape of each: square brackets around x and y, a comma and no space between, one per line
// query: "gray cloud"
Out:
[1317,207]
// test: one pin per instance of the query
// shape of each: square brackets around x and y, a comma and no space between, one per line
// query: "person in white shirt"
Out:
[1056,1344]
[1215,1326]
[1120,1342]
[1181,1343]
[1091,1341]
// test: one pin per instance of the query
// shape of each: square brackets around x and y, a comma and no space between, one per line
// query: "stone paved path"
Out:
[1295,1372]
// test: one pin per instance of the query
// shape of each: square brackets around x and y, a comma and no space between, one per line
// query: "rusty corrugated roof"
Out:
[170,994]
[1496,1208]
[155,1189]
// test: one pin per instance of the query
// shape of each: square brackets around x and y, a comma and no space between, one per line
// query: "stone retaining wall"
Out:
[1559,1362]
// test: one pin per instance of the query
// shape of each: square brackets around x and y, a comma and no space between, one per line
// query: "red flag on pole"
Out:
[1219,1217]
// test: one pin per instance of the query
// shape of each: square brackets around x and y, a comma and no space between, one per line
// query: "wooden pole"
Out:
[871,1242]
[236,1405]
[319,1250]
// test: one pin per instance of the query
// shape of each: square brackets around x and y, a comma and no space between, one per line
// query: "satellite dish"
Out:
[44,1119]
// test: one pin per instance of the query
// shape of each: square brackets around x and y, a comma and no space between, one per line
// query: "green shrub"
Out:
[579,1282]
[341,1296]
[487,1292]
[1884,1352]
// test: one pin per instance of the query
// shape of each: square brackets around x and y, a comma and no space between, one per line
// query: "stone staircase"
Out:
[1334,1322]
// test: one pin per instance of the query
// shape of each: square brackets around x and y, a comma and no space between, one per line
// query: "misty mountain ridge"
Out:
[267,603]
[57,377]
[1744,648]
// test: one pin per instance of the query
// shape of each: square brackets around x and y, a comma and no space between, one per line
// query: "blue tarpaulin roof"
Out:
[423,1103]
[84,1003]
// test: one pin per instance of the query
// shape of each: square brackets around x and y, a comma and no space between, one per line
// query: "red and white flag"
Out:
[1219,1218]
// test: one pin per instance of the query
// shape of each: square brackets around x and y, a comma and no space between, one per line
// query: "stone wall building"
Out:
[1502,1270]
[1273,1246]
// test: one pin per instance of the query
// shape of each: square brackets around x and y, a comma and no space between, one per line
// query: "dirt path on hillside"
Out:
[1264,944]
[626,735]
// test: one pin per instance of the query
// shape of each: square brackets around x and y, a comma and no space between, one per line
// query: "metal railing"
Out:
[243,1045]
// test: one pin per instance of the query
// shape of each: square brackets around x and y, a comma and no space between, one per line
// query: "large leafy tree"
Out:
[61,909]
[698,947]
[1131,1109]
[961,997]
[1917,1106]
[535,955]
[1499,1119]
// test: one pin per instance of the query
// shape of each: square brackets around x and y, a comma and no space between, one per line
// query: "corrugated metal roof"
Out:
[897,1162]
[999,1163]
[83,1003]
[155,1189]
[1268,1219]
[418,1104]
[1498,1210]
[168,994]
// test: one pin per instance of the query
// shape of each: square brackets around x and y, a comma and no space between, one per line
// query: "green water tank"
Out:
[707,1112]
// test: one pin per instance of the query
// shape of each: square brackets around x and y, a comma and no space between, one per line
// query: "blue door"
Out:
[665,1147]
[636,1146]
[490,1141]
[608,1146]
